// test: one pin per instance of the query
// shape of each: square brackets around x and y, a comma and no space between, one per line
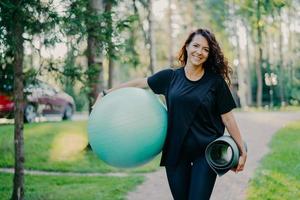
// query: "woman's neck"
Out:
[194,70]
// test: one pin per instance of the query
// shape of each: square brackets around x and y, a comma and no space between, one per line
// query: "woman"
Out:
[199,108]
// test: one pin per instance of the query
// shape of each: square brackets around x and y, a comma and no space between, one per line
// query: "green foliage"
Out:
[79,21]
[249,11]
[36,17]
[132,57]
[220,13]
[6,74]
[69,77]
[7,77]
[294,87]
[104,26]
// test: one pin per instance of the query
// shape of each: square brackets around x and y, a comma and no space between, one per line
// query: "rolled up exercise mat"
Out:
[223,154]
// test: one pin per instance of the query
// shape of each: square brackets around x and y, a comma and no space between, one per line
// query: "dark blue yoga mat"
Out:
[222,154]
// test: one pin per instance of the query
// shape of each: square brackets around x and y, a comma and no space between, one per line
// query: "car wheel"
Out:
[68,113]
[30,113]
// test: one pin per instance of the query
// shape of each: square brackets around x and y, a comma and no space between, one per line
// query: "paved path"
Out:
[257,129]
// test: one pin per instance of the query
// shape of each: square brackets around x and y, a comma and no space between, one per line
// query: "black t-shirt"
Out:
[194,110]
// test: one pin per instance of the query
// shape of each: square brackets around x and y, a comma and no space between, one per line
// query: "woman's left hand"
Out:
[241,164]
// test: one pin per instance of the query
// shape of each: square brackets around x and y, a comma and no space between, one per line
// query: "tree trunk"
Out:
[18,54]
[290,56]
[94,56]
[240,65]
[136,12]
[259,79]
[268,43]
[151,41]
[260,54]
[248,69]
[281,65]
[111,72]
[108,7]
[170,35]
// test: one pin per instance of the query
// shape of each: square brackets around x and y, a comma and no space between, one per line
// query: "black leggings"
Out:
[191,179]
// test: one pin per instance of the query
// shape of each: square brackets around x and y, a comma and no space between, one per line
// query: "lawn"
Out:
[266,108]
[278,177]
[58,146]
[71,188]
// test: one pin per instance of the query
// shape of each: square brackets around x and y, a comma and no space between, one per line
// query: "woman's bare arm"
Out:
[139,82]
[232,127]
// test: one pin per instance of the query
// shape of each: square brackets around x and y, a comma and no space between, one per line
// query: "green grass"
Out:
[58,146]
[288,108]
[71,188]
[279,175]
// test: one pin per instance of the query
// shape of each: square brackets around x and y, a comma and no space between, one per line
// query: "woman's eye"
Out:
[206,50]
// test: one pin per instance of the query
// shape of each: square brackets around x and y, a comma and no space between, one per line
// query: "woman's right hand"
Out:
[241,163]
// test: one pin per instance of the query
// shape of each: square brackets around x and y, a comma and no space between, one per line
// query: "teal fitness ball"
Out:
[127,127]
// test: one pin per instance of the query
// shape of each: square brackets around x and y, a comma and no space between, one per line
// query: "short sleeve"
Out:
[225,101]
[160,81]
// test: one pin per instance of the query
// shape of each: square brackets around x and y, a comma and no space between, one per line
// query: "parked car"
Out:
[40,100]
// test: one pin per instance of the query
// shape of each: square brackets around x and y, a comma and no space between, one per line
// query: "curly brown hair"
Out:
[215,61]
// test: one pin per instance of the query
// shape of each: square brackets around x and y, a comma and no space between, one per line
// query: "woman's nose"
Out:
[199,51]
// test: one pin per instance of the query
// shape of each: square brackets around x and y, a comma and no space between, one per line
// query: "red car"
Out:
[41,100]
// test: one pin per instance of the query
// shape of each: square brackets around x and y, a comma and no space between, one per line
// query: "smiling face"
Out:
[197,51]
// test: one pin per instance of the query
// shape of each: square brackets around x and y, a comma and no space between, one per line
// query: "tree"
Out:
[17,18]
[110,48]
[151,39]
[18,54]
[93,28]
[278,6]
[170,32]
[113,30]
[94,51]
[240,67]
[248,71]
[251,12]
